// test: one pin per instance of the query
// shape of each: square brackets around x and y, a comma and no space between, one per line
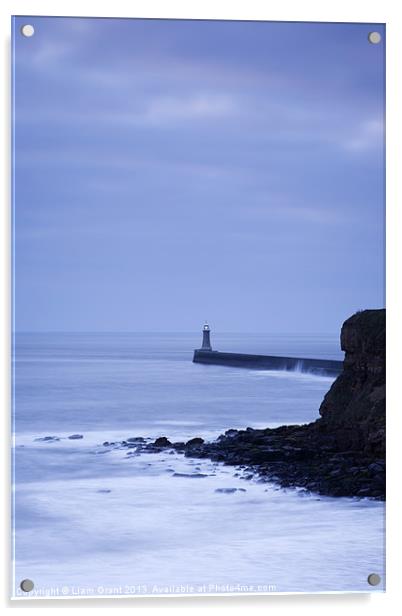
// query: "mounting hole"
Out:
[27,585]
[28,30]
[374,37]
[374,579]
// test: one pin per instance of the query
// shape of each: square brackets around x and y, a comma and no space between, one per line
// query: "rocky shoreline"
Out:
[340,454]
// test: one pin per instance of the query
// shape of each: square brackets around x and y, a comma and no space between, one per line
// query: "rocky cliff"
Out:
[353,411]
[342,453]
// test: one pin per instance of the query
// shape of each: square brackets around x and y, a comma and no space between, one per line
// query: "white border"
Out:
[286,10]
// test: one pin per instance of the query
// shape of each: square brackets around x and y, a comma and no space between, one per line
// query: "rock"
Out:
[231,433]
[74,437]
[179,446]
[135,439]
[226,490]
[162,441]
[353,410]
[104,491]
[364,492]
[47,439]
[375,467]
[194,442]
[190,475]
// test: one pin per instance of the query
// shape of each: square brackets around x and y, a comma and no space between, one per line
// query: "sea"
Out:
[95,520]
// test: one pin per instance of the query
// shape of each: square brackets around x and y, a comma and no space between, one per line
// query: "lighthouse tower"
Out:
[206,342]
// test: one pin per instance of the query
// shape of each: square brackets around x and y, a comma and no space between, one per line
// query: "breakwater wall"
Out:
[324,367]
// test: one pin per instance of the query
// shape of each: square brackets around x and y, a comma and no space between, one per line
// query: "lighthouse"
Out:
[206,342]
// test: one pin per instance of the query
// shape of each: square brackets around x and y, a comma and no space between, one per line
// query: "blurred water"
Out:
[147,531]
[148,383]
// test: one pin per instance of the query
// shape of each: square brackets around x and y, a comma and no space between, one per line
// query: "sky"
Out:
[171,172]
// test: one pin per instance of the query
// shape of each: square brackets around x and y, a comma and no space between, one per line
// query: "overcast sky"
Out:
[168,172]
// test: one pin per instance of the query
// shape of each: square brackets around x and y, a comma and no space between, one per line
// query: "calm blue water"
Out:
[90,517]
[147,382]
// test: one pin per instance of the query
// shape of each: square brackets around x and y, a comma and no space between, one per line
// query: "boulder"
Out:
[195,442]
[162,441]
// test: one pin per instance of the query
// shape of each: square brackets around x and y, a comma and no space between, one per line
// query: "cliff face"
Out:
[353,411]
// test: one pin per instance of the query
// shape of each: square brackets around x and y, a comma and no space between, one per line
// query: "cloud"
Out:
[147,145]
[98,85]
[166,109]
[368,135]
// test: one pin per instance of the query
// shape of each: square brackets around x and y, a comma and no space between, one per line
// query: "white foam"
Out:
[150,528]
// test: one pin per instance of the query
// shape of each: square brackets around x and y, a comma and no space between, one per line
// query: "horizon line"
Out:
[218,332]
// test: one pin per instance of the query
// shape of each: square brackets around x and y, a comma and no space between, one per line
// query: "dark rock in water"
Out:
[229,490]
[131,444]
[47,439]
[162,441]
[74,437]
[194,442]
[180,446]
[190,475]
[136,439]
[104,491]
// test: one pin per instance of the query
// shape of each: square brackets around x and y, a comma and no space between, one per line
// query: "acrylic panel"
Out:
[198,307]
